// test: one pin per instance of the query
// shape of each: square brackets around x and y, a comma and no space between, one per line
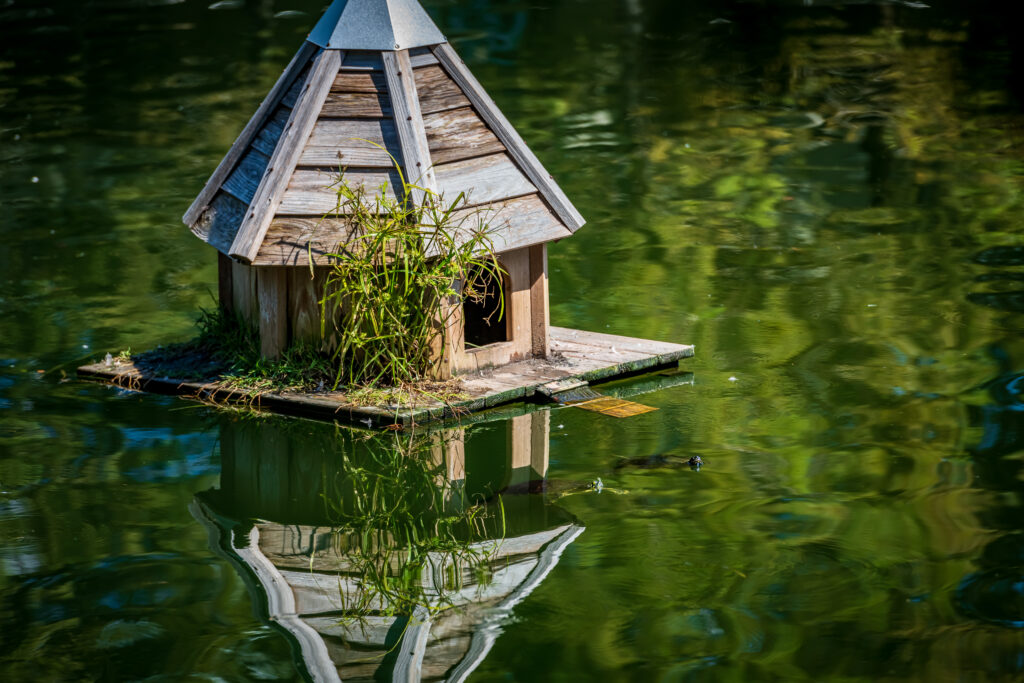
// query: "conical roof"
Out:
[375,25]
[341,108]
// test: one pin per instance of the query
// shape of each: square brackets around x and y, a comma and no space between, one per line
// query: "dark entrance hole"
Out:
[486,320]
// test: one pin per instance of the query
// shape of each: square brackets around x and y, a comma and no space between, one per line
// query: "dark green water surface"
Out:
[825,197]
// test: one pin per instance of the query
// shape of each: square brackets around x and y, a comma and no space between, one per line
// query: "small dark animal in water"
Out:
[659,461]
[650,462]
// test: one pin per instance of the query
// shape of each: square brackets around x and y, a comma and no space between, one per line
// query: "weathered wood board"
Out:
[587,356]
[482,180]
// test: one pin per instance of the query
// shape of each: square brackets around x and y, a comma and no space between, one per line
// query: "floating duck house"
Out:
[376,82]
[376,90]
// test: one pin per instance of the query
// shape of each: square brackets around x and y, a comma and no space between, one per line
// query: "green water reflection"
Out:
[824,197]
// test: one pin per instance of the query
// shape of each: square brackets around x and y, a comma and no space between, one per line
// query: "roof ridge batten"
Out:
[375,25]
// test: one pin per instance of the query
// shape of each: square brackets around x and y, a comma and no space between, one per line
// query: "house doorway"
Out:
[484,312]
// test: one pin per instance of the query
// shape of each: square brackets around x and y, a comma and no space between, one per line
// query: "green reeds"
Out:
[398,284]
[407,537]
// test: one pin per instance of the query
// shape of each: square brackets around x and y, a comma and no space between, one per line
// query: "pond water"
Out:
[824,197]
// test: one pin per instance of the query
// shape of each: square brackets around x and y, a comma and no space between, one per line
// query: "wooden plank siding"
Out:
[356,105]
[362,60]
[421,57]
[296,241]
[238,148]
[224,284]
[311,192]
[354,131]
[261,211]
[459,134]
[219,223]
[243,292]
[359,81]
[336,143]
[437,91]
[272,298]
[505,132]
[514,223]
[245,179]
[266,140]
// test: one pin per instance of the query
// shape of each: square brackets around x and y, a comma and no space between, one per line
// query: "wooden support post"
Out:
[224,282]
[303,305]
[517,302]
[540,440]
[519,445]
[539,315]
[272,286]
[243,292]
[448,338]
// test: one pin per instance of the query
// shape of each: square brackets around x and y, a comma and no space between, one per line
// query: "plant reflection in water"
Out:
[392,553]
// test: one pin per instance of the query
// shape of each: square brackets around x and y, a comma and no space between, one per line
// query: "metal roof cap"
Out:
[375,25]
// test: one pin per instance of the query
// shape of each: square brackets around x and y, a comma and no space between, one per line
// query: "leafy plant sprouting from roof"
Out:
[397,284]
[408,541]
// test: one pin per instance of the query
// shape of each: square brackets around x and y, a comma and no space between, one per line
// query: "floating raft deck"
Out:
[575,355]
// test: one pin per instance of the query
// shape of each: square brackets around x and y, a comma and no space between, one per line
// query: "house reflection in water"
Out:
[387,555]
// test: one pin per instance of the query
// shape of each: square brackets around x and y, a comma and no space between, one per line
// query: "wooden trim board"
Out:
[576,354]
[419,170]
[282,164]
[241,144]
[515,145]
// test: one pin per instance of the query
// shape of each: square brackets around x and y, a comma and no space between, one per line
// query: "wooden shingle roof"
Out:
[273,200]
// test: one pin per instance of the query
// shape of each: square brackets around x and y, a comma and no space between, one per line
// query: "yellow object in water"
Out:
[614,407]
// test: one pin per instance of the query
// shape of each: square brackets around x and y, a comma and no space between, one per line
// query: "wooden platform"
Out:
[587,356]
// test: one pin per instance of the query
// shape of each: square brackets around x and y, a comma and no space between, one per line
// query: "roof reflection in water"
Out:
[387,555]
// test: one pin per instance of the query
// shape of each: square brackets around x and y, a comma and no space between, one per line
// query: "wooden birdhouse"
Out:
[376,82]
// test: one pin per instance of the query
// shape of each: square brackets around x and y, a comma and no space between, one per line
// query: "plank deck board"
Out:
[575,354]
